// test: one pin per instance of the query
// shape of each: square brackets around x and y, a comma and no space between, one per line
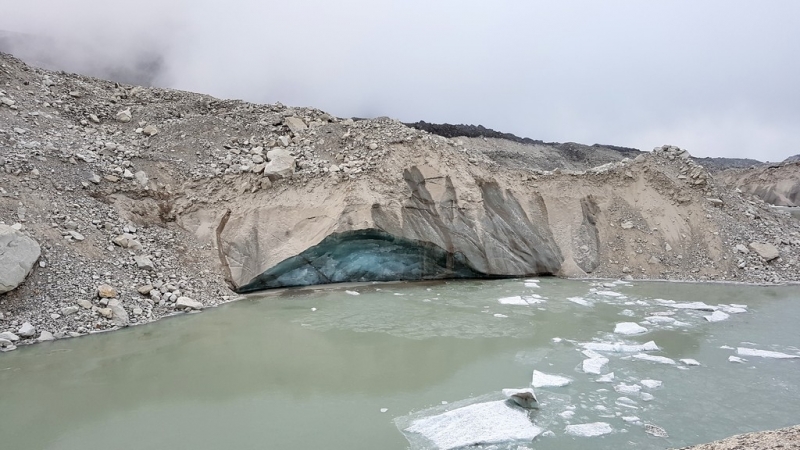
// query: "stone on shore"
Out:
[26,330]
[186,302]
[45,336]
[106,291]
[7,335]
[18,254]
[144,262]
[126,240]
[281,164]
[118,313]
[766,251]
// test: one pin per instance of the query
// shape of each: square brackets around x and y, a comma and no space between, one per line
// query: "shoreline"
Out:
[787,438]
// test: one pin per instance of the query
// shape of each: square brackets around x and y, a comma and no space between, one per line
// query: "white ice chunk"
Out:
[717,316]
[352,292]
[383,410]
[627,389]
[646,397]
[515,300]
[500,315]
[481,423]
[700,306]
[589,429]
[726,347]
[522,397]
[660,319]
[629,328]
[649,346]
[580,301]
[531,280]
[541,379]
[651,384]
[733,309]
[736,359]
[690,362]
[531,285]
[734,305]
[653,358]
[631,419]
[607,378]
[567,414]
[627,313]
[625,402]
[763,353]
[610,294]
[557,340]
[594,365]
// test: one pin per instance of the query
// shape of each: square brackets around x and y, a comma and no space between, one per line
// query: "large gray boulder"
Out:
[18,254]
[281,164]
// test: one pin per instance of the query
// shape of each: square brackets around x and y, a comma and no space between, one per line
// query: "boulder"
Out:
[126,240]
[295,124]
[118,313]
[124,116]
[186,302]
[18,254]
[144,262]
[26,330]
[106,291]
[281,164]
[766,251]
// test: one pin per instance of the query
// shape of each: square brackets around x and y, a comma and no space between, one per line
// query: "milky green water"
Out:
[271,373]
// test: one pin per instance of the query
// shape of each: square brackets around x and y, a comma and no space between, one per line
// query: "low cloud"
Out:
[716,77]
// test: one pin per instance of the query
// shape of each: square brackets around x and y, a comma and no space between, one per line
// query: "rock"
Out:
[18,254]
[281,164]
[75,235]
[126,240]
[26,330]
[144,262]
[186,302]
[295,124]
[524,398]
[145,290]
[105,312]
[85,304]
[742,249]
[106,291]
[124,116]
[715,202]
[150,130]
[9,336]
[69,310]
[766,251]
[45,336]
[118,313]
[626,225]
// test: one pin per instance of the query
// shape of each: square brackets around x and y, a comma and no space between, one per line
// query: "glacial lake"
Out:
[327,369]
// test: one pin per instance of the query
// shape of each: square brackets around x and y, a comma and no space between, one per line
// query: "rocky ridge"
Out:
[140,199]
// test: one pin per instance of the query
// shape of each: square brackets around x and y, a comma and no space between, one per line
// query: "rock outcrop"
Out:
[18,254]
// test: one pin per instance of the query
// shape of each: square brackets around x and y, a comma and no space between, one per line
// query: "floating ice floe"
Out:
[625,402]
[352,292]
[653,358]
[717,316]
[629,328]
[627,313]
[522,397]
[580,301]
[649,346]
[736,359]
[383,410]
[631,419]
[594,365]
[660,320]
[531,284]
[610,294]
[567,414]
[627,389]
[646,396]
[541,379]
[481,423]
[651,384]
[733,309]
[502,316]
[743,351]
[690,362]
[607,378]
[515,300]
[589,429]
[699,306]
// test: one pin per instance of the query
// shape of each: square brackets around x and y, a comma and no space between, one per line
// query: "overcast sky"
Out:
[717,77]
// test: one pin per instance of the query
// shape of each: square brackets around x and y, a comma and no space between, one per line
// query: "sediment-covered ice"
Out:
[620,347]
[651,384]
[699,306]
[594,365]
[653,358]
[589,429]
[717,316]
[541,379]
[629,328]
[481,423]
[743,351]
[522,397]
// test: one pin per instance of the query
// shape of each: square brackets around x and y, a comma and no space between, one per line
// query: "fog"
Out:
[717,77]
